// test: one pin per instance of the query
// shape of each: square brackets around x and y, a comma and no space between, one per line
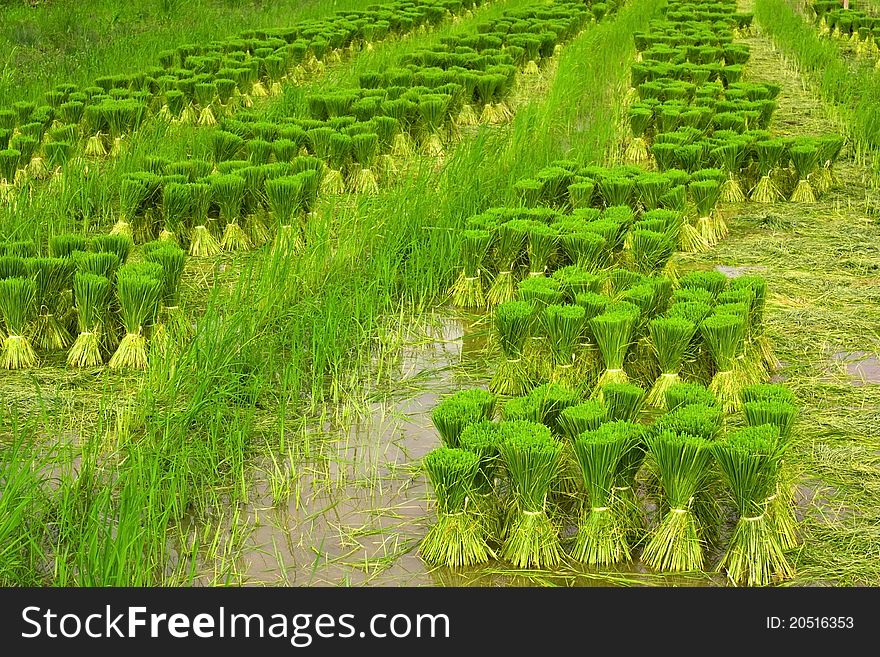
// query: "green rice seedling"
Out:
[17,307]
[532,460]
[205,95]
[225,145]
[623,401]
[760,343]
[639,121]
[458,538]
[132,194]
[171,321]
[616,190]
[563,326]
[176,207]
[453,415]
[529,192]
[697,419]
[770,152]
[730,156]
[602,534]
[433,109]
[580,194]
[650,251]
[780,414]
[53,278]
[651,187]
[286,200]
[202,242]
[63,245]
[625,503]
[139,292]
[723,335]
[683,463]
[830,147]
[100,264]
[578,418]
[22,249]
[687,393]
[484,399]
[748,366]
[366,152]
[670,337]
[705,194]
[573,281]
[768,392]
[712,281]
[484,440]
[552,399]
[9,161]
[228,193]
[121,245]
[92,299]
[805,158]
[467,291]
[541,248]
[586,249]
[526,408]
[509,246]
[613,332]
[749,460]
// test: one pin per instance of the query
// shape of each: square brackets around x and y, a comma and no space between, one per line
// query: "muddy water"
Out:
[862,367]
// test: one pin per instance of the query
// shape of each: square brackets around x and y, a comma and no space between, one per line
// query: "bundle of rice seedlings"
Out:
[670,337]
[705,194]
[366,153]
[580,194]
[749,367]
[541,247]
[602,534]
[830,147]
[616,189]
[613,332]
[225,145]
[625,503]
[10,158]
[730,155]
[694,419]
[749,460]
[573,281]
[63,246]
[17,307]
[552,399]
[101,263]
[171,320]
[483,439]
[92,298]
[453,415]
[205,93]
[467,291]
[623,401]
[512,321]
[639,120]
[712,281]
[286,200]
[769,153]
[176,207]
[121,245]
[532,458]
[527,408]
[458,538]
[805,158]
[509,244]
[563,326]
[578,418]
[586,249]
[650,251]
[723,335]
[333,180]
[759,341]
[53,278]
[683,463]
[227,192]
[651,187]
[433,109]
[139,292]
[685,394]
[132,193]
[202,243]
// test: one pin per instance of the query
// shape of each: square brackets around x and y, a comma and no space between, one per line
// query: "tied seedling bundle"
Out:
[749,460]
[683,463]
[723,337]
[17,307]
[639,121]
[176,208]
[139,292]
[202,243]
[730,156]
[759,343]
[613,332]
[227,191]
[467,291]
[366,153]
[602,534]
[670,337]
[622,401]
[458,538]
[53,277]
[531,457]
[457,412]
[563,326]
[171,321]
[805,158]
[133,192]
[509,244]
[286,197]
[770,153]
[484,439]
[705,194]
[512,322]
[92,300]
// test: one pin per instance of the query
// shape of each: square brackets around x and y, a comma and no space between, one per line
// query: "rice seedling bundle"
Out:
[602,533]
[723,335]
[532,458]
[683,463]
[694,419]
[616,190]
[509,245]
[639,121]
[670,337]
[171,321]
[63,245]
[484,439]
[17,308]
[580,194]
[585,248]
[467,291]
[563,326]
[176,208]
[91,295]
[286,195]
[139,292]
[458,538]
[206,94]
[713,282]
[454,414]
[527,408]
[650,251]
[584,416]
[687,393]
[705,194]
[651,187]
[613,332]
[53,277]
[512,322]
[120,245]
[202,242]
[623,401]
[552,399]
[541,248]
[132,194]
[366,153]
[225,145]
[830,147]
[749,460]
[227,191]
[730,156]
[805,158]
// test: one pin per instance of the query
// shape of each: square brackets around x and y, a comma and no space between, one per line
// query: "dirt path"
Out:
[822,264]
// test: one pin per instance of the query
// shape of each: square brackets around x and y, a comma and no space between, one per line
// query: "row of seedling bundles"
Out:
[593,481]
[88,299]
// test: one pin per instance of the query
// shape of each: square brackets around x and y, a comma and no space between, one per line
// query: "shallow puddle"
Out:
[862,367]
